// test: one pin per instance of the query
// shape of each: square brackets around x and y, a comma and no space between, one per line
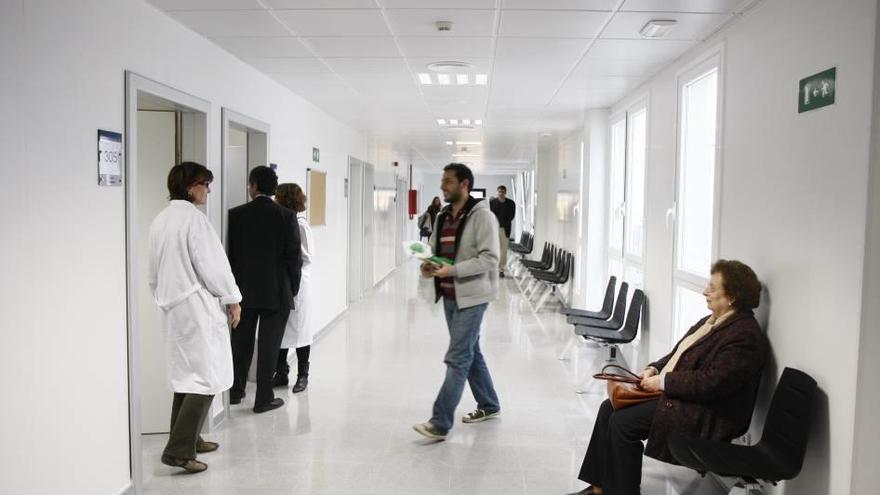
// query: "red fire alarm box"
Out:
[413,202]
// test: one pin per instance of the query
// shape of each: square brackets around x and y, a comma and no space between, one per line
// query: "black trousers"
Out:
[302,359]
[272,325]
[614,457]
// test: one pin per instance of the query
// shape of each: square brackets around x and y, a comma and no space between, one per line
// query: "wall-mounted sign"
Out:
[316,155]
[817,90]
[109,158]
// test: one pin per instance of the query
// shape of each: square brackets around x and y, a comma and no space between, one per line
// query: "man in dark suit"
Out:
[265,254]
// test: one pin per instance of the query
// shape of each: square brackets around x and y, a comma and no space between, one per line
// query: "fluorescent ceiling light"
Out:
[478,122]
[466,122]
[443,79]
[462,79]
[425,78]
[453,122]
[441,121]
[478,143]
[449,143]
[657,28]
[482,79]
[463,155]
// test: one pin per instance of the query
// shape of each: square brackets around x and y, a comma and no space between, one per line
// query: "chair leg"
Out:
[543,300]
[570,344]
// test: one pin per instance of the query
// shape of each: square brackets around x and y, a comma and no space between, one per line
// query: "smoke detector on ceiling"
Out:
[443,26]
[657,28]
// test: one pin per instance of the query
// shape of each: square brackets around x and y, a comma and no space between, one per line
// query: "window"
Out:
[696,199]
[626,209]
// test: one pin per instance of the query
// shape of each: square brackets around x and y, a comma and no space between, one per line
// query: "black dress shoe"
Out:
[275,404]
[586,491]
[236,399]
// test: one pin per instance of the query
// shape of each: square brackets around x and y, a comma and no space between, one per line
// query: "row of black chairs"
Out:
[778,456]
[545,277]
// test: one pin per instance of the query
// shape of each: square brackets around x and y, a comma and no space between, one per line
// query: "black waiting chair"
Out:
[596,330]
[525,244]
[778,456]
[546,258]
[617,318]
[553,280]
[607,305]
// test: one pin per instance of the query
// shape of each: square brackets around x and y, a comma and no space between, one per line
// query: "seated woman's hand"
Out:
[649,372]
[650,384]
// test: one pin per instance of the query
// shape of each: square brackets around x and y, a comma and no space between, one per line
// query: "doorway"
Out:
[245,146]
[360,190]
[163,126]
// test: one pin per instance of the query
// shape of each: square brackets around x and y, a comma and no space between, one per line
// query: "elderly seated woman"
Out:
[708,386]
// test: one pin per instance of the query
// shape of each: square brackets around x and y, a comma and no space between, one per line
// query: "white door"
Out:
[155,155]
[369,193]
[355,228]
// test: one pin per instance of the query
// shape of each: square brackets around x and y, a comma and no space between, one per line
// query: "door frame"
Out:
[251,125]
[136,84]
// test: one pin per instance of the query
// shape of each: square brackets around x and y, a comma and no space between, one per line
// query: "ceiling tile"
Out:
[647,50]
[715,6]
[341,22]
[260,46]
[417,22]
[606,5]
[321,4]
[231,22]
[593,66]
[446,47]
[438,4]
[626,25]
[368,65]
[364,46]
[328,80]
[552,23]
[169,5]
[274,65]
[541,51]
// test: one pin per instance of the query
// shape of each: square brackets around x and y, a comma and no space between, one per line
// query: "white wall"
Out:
[793,202]
[64,327]
[866,476]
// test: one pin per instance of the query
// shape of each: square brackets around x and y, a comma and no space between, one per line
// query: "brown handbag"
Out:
[623,388]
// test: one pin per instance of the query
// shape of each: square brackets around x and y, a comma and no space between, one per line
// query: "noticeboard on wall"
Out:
[317,193]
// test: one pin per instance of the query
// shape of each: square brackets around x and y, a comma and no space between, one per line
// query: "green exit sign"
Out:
[817,91]
[316,155]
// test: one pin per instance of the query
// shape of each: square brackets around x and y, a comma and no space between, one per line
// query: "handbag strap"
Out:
[617,377]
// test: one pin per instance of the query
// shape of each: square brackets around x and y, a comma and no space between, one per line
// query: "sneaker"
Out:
[479,415]
[430,431]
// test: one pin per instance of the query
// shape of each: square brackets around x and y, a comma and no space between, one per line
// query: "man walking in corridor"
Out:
[466,231]
[505,211]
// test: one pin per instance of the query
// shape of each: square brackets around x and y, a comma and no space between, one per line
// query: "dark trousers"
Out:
[188,414]
[614,457]
[302,359]
[272,325]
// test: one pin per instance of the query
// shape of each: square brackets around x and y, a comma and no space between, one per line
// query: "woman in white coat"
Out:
[189,272]
[299,332]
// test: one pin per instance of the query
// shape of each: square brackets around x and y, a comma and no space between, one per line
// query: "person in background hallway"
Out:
[188,273]
[264,250]
[709,383]
[505,210]
[299,332]
[467,232]
[427,219]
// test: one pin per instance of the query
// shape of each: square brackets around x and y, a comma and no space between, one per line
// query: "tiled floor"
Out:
[375,374]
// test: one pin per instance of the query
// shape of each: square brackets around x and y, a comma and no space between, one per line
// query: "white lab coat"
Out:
[299,331]
[189,271]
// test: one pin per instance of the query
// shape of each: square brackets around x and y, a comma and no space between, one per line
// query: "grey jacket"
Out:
[476,254]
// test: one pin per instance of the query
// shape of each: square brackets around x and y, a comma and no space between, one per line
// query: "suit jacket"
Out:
[265,254]
[712,391]
[505,212]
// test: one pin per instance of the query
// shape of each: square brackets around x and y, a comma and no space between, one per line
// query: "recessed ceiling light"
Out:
[482,79]
[657,28]
[468,143]
[443,79]
[461,155]
[441,121]
[478,122]
[546,134]
[462,79]
[425,78]
[449,143]
[453,121]
[449,66]
[466,122]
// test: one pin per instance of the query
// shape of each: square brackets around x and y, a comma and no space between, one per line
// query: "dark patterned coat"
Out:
[712,391]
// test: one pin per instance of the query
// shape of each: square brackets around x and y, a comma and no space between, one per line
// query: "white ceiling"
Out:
[547,60]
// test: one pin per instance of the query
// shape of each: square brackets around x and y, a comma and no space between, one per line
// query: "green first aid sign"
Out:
[817,90]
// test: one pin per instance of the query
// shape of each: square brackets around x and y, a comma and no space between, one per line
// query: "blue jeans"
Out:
[464,362]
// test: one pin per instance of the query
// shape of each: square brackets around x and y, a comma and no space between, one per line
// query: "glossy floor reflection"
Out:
[374,374]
